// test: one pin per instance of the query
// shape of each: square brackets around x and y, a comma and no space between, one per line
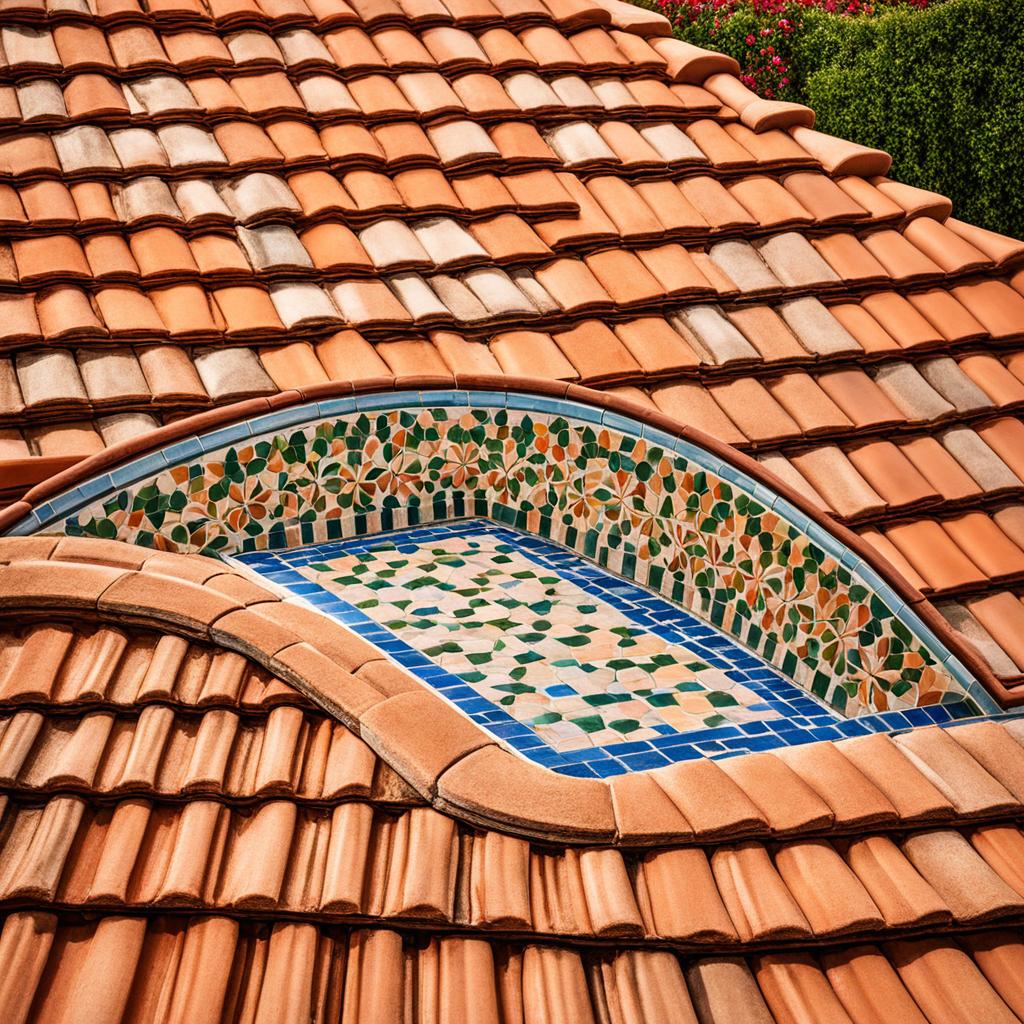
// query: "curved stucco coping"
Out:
[42,503]
[449,760]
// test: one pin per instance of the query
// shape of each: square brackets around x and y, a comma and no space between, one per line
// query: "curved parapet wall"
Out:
[653,507]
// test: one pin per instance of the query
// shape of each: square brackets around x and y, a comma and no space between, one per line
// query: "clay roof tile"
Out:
[348,356]
[995,305]
[531,353]
[892,475]
[838,481]
[942,471]
[692,404]
[656,346]
[944,247]
[823,198]
[853,797]
[800,395]
[596,353]
[838,156]
[860,398]
[998,248]
[935,555]
[917,202]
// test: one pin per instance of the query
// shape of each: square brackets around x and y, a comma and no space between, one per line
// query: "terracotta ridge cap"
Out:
[462,771]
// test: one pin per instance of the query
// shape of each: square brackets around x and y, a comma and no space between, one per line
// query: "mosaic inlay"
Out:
[653,508]
[574,667]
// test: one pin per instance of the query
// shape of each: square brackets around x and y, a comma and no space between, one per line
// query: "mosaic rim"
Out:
[452,633]
[566,471]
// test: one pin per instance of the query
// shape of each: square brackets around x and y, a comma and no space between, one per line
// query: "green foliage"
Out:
[941,89]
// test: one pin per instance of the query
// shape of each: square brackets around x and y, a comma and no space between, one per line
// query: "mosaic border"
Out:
[846,568]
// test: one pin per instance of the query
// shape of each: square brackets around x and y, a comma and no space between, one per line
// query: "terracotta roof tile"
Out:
[232,372]
[1002,615]
[888,470]
[730,813]
[946,248]
[860,398]
[996,247]
[995,305]
[980,461]
[755,411]
[596,353]
[851,259]
[912,393]
[758,900]
[818,330]
[972,890]
[836,478]
[951,769]
[690,403]
[656,346]
[896,888]
[852,796]
[934,555]
[946,315]
[807,403]
[764,778]
[1003,437]
[794,987]
[868,986]
[524,353]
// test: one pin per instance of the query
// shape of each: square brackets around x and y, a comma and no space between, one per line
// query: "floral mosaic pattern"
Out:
[572,667]
[646,511]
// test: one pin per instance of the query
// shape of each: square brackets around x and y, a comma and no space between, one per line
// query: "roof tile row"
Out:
[208,969]
[350,859]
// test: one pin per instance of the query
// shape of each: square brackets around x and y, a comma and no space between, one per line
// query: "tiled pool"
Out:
[574,667]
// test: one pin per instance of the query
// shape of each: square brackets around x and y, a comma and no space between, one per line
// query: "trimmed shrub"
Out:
[941,89]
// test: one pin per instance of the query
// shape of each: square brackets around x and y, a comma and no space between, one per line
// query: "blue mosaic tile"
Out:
[148,465]
[785,714]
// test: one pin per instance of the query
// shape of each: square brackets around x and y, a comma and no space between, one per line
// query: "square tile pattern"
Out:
[576,668]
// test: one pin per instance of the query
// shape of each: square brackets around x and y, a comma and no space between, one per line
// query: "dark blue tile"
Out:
[683,752]
[584,771]
[642,762]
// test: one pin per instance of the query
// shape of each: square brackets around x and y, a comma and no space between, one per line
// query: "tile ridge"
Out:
[462,771]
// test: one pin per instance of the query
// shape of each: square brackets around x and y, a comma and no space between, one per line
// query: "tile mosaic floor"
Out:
[574,667]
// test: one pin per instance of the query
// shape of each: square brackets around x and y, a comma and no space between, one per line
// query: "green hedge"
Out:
[942,90]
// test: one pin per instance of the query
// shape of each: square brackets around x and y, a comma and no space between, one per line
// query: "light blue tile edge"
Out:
[90,491]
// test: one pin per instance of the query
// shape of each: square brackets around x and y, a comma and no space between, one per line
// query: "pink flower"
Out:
[750,40]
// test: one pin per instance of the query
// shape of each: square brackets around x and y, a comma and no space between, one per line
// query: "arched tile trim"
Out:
[462,770]
[659,508]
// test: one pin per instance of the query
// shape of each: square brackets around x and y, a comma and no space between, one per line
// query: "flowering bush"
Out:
[939,84]
[759,33]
